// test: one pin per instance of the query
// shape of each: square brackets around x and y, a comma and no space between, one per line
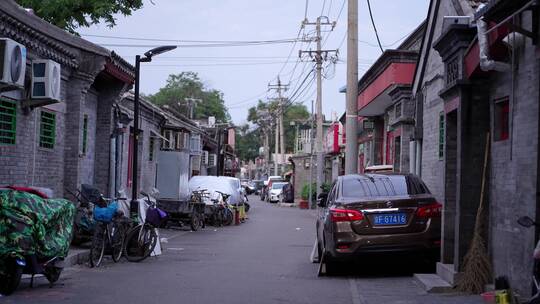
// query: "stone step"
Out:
[447,273]
[432,283]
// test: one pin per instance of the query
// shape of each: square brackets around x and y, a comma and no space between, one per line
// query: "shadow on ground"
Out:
[384,265]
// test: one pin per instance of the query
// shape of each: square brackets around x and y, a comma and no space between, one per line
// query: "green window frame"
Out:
[441,134]
[85,134]
[151,146]
[47,133]
[8,122]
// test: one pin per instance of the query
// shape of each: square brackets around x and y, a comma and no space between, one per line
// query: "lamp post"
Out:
[135,159]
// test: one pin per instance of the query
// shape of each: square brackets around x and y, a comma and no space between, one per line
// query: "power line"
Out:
[211,57]
[209,45]
[179,40]
[374,27]
[217,64]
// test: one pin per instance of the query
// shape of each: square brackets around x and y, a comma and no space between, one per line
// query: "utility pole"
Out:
[280,88]
[276,151]
[351,145]
[319,56]
[311,158]
[191,105]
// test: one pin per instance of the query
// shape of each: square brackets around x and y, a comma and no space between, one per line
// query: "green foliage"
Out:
[189,85]
[294,112]
[305,192]
[73,14]
[247,142]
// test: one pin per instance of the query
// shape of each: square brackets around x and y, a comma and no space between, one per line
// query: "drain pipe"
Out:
[112,166]
[486,63]
[412,156]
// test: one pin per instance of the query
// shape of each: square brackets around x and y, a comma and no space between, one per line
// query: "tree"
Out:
[72,14]
[295,112]
[264,115]
[247,142]
[189,85]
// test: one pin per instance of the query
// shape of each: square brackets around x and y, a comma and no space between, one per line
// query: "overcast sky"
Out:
[243,73]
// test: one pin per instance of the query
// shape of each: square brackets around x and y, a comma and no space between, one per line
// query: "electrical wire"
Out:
[194,45]
[374,27]
[217,64]
[182,40]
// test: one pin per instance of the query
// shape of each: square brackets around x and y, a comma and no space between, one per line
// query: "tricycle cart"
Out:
[183,212]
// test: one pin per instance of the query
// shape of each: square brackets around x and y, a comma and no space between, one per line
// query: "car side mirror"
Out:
[526,221]
[321,200]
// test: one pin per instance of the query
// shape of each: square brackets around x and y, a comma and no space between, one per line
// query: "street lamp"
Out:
[134,174]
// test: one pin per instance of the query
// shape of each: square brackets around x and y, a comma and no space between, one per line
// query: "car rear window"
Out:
[383,185]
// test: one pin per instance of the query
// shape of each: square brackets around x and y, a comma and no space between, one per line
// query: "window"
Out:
[85,134]
[8,122]
[501,113]
[397,112]
[151,149]
[441,135]
[47,133]
[392,185]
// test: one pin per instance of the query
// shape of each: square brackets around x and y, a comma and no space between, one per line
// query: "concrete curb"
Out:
[76,256]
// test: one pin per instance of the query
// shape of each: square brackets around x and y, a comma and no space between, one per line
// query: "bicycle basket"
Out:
[105,214]
[155,216]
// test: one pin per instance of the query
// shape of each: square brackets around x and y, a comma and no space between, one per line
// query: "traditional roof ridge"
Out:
[40,28]
[416,34]
[120,68]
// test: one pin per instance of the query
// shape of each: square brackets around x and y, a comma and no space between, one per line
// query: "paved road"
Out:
[265,260]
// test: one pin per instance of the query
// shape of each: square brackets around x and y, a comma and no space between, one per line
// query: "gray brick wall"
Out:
[87,160]
[513,184]
[302,175]
[25,163]
[147,169]
[433,167]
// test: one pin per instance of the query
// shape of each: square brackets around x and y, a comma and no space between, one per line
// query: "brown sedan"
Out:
[376,213]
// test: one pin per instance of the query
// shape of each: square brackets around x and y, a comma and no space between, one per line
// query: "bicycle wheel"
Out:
[229,218]
[140,242]
[195,221]
[98,246]
[118,235]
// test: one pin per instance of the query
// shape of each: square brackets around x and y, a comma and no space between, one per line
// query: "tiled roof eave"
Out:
[35,41]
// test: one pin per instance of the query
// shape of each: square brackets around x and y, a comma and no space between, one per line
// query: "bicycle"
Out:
[227,210]
[109,231]
[141,240]
[197,217]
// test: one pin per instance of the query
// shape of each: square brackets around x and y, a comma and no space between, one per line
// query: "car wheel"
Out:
[329,264]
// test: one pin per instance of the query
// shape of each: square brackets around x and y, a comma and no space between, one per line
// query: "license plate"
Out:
[390,219]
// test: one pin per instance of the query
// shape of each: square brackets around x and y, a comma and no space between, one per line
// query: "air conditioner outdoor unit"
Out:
[212,160]
[13,65]
[196,163]
[205,158]
[46,78]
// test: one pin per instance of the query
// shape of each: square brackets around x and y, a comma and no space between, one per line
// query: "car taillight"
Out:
[428,211]
[345,215]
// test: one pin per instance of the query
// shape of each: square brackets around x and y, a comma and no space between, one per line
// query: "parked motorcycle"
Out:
[528,223]
[36,238]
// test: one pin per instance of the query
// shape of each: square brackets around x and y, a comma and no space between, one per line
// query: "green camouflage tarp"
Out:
[32,225]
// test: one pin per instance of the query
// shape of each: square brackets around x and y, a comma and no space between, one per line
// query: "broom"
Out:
[477,266]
